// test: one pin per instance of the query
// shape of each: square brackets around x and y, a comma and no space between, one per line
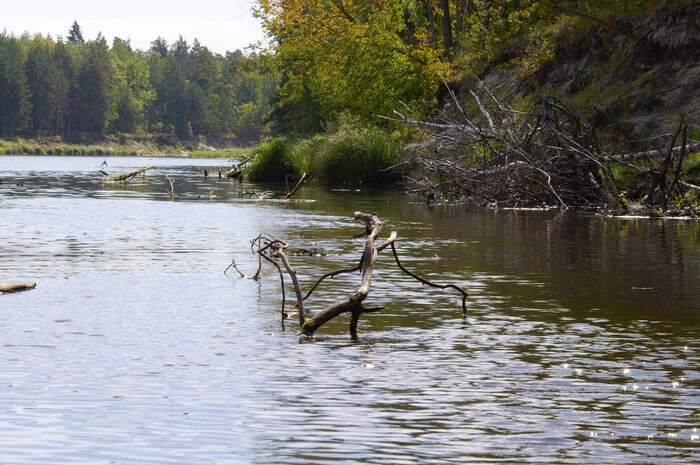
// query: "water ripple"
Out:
[136,348]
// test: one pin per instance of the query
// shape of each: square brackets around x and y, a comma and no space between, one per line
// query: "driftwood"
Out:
[171,192]
[236,172]
[546,156]
[268,195]
[277,253]
[128,176]
[291,193]
[694,147]
[9,288]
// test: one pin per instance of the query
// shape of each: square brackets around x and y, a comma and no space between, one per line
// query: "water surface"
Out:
[580,344]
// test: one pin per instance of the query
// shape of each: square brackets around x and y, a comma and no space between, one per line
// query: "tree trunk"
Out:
[446,25]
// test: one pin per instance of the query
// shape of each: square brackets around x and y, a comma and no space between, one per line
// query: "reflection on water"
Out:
[580,345]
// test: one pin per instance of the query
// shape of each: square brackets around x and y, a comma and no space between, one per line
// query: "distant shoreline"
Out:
[129,147]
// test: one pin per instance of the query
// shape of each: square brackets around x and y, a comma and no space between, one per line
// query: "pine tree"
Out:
[75,35]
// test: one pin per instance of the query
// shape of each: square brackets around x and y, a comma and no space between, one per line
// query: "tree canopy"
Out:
[370,57]
[357,56]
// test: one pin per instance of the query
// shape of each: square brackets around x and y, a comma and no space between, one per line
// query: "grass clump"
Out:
[357,155]
[271,160]
[304,155]
[347,153]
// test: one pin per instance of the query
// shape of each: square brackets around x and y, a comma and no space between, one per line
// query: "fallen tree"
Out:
[276,252]
[546,156]
[127,176]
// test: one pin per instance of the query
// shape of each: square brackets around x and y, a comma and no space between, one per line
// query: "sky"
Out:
[219,25]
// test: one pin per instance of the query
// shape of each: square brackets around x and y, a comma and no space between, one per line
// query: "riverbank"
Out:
[608,119]
[116,146]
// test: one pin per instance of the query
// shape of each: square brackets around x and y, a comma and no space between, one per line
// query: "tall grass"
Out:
[350,154]
[225,153]
[271,162]
[357,155]
[304,155]
[31,147]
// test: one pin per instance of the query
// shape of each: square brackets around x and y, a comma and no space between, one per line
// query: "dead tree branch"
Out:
[128,176]
[275,251]
[429,283]
[483,152]
[290,194]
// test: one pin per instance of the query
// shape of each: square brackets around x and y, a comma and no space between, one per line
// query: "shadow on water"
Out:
[580,343]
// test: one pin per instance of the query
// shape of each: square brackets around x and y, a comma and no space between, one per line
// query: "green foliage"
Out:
[228,153]
[42,80]
[15,102]
[691,167]
[359,57]
[90,93]
[357,155]
[688,203]
[349,153]
[271,162]
[250,125]
[305,153]
[540,51]
[75,35]
[82,90]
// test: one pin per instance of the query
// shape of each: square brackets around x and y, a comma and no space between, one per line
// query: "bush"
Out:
[271,162]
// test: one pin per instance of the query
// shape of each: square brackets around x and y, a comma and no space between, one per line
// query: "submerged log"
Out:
[126,177]
[9,288]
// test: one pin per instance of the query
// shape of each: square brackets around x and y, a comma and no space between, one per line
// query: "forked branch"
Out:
[275,251]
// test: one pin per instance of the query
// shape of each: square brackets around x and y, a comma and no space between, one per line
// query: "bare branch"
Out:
[290,194]
[428,283]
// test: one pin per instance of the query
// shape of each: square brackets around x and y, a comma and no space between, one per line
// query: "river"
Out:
[580,343]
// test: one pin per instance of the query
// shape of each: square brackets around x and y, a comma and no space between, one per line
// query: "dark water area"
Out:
[580,343]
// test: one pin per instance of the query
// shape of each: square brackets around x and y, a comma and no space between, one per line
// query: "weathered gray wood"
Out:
[275,251]
[128,176]
[290,194]
[8,288]
[352,304]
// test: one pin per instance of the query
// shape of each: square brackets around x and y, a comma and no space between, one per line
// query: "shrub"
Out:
[349,154]
[271,162]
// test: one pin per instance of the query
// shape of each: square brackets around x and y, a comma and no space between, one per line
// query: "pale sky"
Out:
[220,25]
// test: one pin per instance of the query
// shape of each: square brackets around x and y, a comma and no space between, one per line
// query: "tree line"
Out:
[80,89]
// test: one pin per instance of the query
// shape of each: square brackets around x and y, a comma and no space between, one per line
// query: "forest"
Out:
[81,90]
[374,57]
